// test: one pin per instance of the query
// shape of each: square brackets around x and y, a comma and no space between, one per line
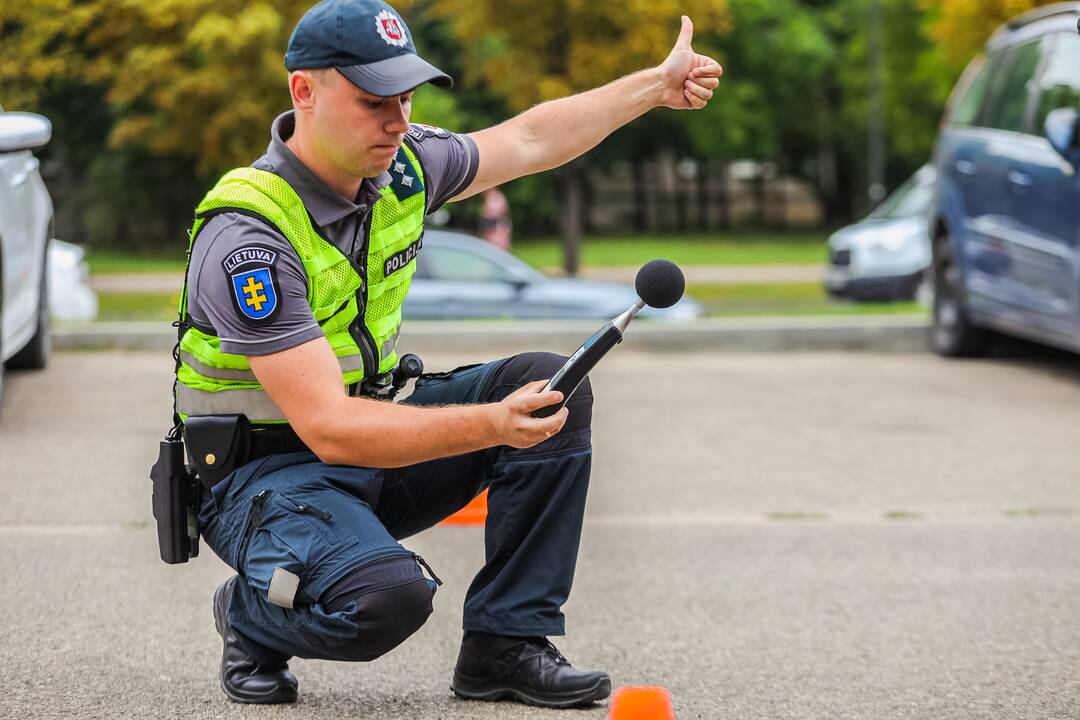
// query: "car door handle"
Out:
[1020,179]
[966,167]
[29,168]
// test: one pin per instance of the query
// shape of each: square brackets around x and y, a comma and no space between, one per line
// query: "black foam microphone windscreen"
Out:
[660,283]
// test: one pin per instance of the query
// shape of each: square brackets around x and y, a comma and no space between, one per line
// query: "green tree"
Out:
[773,106]
[175,92]
[150,101]
[915,84]
[190,78]
[524,53]
[961,27]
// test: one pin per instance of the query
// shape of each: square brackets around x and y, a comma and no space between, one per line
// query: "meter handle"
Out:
[567,379]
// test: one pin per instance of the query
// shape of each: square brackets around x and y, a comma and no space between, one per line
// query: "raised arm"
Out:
[305,383]
[555,132]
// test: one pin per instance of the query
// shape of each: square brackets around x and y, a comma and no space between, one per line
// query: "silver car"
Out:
[26,214]
[459,276]
[887,255]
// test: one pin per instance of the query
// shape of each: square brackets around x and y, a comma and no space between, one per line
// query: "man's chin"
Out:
[376,169]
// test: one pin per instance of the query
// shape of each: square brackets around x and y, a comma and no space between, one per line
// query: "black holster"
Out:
[218,444]
[176,499]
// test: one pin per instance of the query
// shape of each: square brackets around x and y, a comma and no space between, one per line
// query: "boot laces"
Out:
[554,654]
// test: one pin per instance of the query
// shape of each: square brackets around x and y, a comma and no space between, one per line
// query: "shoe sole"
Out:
[219,626]
[599,691]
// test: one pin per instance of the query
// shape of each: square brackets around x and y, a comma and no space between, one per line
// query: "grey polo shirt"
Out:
[449,162]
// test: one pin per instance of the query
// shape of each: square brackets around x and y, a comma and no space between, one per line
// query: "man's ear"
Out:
[302,89]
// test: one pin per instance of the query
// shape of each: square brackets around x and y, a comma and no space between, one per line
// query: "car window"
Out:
[446,263]
[1059,86]
[423,271]
[910,199]
[1012,89]
[970,92]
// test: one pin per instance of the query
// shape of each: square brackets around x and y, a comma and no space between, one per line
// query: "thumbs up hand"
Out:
[688,78]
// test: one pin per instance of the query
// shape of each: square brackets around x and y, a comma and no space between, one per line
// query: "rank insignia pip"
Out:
[404,179]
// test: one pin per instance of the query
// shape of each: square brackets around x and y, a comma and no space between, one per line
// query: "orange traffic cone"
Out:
[641,703]
[475,513]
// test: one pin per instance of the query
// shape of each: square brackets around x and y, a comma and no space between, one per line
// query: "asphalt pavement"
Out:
[798,535]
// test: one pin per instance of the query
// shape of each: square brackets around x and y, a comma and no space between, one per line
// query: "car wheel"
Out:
[1,336]
[924,289]
[952,334]
[35,354]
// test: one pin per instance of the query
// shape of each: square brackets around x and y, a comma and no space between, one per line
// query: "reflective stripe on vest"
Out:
[253,403]
[390,345]
[348,363]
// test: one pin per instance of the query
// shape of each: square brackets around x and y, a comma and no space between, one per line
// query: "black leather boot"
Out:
[243,679]
[529,670]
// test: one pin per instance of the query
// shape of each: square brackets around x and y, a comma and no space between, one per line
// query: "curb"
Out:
[888,333]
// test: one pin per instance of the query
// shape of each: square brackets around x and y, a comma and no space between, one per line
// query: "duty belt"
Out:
[218,444]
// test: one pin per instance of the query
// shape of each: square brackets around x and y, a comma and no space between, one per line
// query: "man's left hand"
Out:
[688,78]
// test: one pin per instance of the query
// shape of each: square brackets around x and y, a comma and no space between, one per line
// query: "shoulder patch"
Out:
[419,131]
[252,277]
[404,179]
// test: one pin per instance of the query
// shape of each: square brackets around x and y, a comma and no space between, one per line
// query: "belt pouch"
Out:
[218,444]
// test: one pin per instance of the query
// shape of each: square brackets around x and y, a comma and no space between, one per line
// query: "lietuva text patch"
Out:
[400,259]
[251,275]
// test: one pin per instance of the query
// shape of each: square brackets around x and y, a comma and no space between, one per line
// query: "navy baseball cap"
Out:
[367,42]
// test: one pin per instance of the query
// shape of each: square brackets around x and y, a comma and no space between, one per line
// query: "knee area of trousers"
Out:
[386,617]
[528,367]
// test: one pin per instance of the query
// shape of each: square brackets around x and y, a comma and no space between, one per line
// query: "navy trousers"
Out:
[337,528]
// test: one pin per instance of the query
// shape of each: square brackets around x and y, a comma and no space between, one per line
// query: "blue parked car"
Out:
[1005,218]
[462,277]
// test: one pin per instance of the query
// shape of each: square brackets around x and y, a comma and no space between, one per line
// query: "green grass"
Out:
[1023,512]
[113,261]
[720,300]
[138,306]
[735,248]
[902,515]
[798,516]
[731,248]
[752,299]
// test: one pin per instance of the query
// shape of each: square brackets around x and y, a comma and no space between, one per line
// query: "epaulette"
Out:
[405,180]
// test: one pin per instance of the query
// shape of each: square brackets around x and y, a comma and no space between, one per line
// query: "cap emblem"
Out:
[390,29]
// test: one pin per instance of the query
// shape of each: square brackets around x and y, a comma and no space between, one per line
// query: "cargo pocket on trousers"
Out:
[320,520]
[287,532]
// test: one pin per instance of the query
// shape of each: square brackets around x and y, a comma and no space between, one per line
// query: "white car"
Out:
[26,221]
[70,294]
[887,255]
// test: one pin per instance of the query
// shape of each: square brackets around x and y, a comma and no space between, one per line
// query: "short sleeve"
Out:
[449,161]
[247,284]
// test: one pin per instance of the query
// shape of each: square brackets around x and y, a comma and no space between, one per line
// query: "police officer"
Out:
[298,267]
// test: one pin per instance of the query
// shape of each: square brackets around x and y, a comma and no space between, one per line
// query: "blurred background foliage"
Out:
[150,101]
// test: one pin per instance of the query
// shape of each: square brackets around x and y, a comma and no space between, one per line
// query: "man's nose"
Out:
[398,123]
